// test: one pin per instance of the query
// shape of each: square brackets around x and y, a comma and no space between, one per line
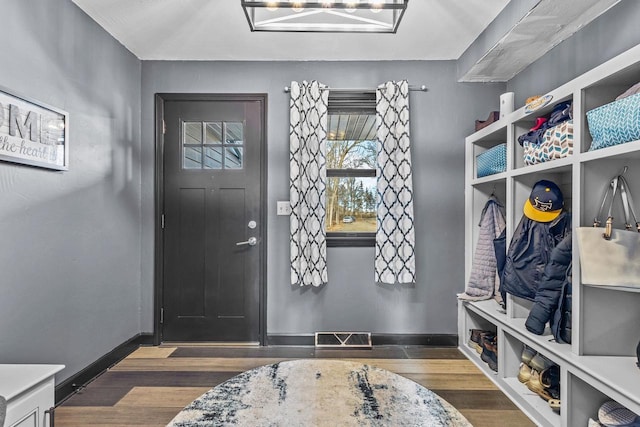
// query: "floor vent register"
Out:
[343,339]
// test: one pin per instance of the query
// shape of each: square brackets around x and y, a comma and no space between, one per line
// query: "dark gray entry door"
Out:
[212,220]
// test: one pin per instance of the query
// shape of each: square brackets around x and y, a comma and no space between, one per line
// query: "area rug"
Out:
[316,392]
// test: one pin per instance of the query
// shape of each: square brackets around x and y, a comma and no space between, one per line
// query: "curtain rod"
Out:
[422,88]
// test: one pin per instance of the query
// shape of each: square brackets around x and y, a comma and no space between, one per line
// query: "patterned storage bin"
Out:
[557,143]
[492,161]
[615,123]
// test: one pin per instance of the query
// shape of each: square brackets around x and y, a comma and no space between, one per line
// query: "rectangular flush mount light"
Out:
[343,16]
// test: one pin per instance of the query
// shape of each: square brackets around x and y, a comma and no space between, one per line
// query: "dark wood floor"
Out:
[150,386]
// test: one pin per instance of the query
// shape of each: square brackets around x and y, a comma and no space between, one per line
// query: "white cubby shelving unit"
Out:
[600,363]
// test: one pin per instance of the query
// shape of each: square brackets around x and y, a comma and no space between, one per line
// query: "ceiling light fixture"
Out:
[376,5]
[272,6]
[346,16]
[350,5]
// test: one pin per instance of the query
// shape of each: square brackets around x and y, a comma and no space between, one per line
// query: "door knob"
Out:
[251,242]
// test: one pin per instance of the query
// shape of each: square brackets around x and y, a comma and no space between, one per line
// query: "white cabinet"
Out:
[29,391]
[599,364]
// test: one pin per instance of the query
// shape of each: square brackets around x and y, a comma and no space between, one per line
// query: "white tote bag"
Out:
[611,257]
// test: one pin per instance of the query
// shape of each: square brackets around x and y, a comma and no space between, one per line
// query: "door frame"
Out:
[160,99]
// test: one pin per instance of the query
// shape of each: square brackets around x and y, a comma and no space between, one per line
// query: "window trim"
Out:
[353,240]
[349,173]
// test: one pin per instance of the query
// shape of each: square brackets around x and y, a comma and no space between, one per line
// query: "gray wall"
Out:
[70,251]
[440,120]
[609,35]
[77,247]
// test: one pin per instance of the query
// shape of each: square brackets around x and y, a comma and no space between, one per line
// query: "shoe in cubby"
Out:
[545,383]
[540,363]
[613,414]
[475,338]
[527,354]
[554,404]
[490,352]
[524,373]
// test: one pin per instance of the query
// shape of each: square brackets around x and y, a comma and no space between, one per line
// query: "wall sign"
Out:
[33,133]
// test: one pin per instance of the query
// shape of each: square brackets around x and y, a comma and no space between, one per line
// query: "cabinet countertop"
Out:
[16,378]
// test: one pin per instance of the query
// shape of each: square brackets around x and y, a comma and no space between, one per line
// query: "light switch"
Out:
[284,208]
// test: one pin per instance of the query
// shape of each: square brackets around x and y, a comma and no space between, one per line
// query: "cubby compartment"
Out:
[529,118]
[529,400]
[472,320]
[489,136]
[523,184]
[489,143]
[610,322]
[527,122]
[605,91]
[609,317]
[481,194]
[475,321]
[596,176]
[584,401]
[586,398]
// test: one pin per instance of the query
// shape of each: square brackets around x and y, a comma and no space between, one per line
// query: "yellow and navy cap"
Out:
[544,203]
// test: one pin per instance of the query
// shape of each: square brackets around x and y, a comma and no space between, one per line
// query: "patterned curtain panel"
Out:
[308,171]
[395,239]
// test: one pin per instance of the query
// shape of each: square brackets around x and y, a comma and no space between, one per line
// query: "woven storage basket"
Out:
[492,161]
[556,144]
[615,123]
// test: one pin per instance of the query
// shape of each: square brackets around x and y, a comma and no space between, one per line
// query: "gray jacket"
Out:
[483,280]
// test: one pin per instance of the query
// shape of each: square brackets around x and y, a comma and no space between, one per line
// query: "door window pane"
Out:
[213,158]
[192,133]
[214,133]
[192,158]
[233,158]
[234,133]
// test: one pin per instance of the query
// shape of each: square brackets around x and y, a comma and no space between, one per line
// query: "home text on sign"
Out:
[16,124]
[31,133]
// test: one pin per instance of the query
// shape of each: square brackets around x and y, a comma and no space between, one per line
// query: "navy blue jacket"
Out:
[528,254]
[553,298]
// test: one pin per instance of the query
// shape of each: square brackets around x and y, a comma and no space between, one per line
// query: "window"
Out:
[351,169]
[213,145]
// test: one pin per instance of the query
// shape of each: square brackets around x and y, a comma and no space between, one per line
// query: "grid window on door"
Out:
[213,145]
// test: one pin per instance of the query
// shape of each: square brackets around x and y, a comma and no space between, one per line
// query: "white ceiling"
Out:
[218,30]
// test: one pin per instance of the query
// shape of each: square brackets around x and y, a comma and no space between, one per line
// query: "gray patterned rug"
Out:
[315,392]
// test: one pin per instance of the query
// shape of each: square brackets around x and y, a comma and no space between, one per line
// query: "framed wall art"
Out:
[33,133]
